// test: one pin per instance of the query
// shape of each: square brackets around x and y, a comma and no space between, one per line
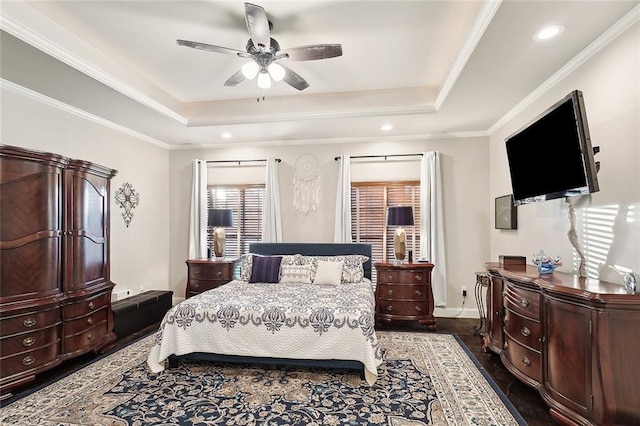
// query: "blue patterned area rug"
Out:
[425,379]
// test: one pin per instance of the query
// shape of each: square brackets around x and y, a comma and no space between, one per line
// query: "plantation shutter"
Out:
[246,201]
[369,202]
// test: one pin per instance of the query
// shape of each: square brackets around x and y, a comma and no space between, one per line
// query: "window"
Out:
[369,202]
[246,202]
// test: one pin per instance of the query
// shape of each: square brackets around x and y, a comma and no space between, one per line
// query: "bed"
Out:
[291,319]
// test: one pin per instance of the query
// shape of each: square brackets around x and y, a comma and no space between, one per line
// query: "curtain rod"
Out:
[240,161]
[382,156]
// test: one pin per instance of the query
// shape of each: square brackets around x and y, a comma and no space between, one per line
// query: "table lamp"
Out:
[219,219]
[400,216]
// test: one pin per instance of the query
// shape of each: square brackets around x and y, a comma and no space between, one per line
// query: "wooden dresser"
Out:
[573,339]
[205,274]
[403,292]
[55,287]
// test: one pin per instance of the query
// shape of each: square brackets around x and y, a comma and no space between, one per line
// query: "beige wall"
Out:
[465,186]
[139,253]
[608,221]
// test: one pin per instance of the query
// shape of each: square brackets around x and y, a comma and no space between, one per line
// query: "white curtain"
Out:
[342,231]
[271,223]
[431,224]
[198,212]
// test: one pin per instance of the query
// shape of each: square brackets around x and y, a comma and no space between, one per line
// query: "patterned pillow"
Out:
[265,269]
[352,271]
[246,262]
[292,273]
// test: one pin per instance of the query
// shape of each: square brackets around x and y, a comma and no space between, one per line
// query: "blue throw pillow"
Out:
[265,269]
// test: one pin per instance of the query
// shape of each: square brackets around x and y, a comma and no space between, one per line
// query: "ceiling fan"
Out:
[265,53]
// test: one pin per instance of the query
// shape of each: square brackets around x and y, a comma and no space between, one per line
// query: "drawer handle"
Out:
[390,291]
[506,345]
[418,277]
[196,285]
[28,360]
[524,302]
[389,308]
[418,292]
[29,322]
[525,331]
[28,341]
[196,272]
[90,320]
[92,305]
[218,273]
[390,277]
[90,336]
[418,308]
[526,361]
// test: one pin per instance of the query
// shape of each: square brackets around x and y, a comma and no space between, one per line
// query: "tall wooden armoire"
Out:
[55,287]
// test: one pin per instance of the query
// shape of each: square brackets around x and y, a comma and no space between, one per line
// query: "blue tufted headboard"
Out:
[315,249]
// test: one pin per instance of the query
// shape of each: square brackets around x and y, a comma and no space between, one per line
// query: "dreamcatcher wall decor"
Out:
[306,183]
[127,198]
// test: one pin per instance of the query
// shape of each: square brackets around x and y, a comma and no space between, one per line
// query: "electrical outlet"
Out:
[464,290]
[141,289]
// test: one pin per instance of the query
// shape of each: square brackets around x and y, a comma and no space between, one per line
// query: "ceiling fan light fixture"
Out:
[264,81]
[276,71]
[250,70]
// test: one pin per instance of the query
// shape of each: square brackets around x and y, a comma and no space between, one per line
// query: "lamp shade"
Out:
[220,217]
[400,216]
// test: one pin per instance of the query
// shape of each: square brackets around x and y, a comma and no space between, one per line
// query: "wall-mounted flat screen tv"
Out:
[552,156]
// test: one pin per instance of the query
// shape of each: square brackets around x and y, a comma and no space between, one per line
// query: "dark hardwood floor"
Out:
[526,400]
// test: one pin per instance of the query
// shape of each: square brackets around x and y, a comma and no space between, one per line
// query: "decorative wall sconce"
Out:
[127,198]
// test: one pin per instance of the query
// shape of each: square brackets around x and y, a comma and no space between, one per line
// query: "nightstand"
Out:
[205,274]
[403,292]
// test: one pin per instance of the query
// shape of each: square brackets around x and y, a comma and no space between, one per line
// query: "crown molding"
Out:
[38,97]
[40,41]
[612,33]
[334,141]
[487,12]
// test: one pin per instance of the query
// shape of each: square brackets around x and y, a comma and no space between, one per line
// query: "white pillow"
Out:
[295,273]
[328,272]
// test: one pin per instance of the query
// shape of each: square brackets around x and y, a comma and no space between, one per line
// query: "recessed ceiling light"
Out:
[386,127]
[226,135]
[548,32]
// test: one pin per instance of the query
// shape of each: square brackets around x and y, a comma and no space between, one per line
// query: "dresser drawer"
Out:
[403,308]
[403,292]
[29,322]
[29,341]
[525,360]
[523,330]
[84,307]
[210,272]
[199,286]
[85,339]
[81,324]
[524,302]
[29,360]
[403,276]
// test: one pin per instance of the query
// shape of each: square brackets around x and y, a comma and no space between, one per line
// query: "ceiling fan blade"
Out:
[258,26]
[314,52]
[235,79]
[210,47]
[294,80]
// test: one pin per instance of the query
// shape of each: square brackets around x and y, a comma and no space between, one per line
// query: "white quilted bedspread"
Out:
[281,320]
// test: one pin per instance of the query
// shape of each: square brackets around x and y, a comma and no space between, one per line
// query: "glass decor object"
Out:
[545,264]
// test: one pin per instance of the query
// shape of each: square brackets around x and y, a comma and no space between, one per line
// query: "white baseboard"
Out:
[456,313]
